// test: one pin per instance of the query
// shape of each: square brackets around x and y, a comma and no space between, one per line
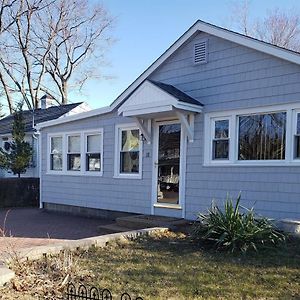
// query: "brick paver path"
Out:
[27,227]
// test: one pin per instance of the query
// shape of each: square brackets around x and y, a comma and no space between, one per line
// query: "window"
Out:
[262,136]
[221,140]
[74,153]
[56,153]
[128,152]
[93,152]
[253,136]
[297,137]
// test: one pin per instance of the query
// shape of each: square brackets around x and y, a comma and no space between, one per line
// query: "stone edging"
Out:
[99,241]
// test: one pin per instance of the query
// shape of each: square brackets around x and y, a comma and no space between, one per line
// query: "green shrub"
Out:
[231,229]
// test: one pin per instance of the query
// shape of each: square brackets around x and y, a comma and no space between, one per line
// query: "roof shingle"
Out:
[172,90]
[40,115]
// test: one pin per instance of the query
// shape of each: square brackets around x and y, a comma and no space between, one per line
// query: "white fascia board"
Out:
[249,42]
[188,106]
[146,111]
[76,117]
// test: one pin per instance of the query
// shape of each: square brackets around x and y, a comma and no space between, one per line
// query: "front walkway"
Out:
[28,227]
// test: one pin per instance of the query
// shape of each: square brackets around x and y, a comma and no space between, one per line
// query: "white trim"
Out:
[145,130]
[75,117]
[167,205]
[156,100]
[117,174]
[291,110]
[65,135]
[186,124]
[182,167]
[86,134]
[40,168]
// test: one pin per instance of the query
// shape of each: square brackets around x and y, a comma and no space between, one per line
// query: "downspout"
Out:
[36,136]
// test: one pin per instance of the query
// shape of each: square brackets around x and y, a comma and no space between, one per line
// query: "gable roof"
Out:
[153,98]
[172,90]
[198,26]
[40,115]
[201,26]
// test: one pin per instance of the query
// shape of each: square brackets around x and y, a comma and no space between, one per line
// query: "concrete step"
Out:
[146,221]
[112,228]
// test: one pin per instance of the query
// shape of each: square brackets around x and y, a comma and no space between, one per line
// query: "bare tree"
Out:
[21,74]
[241,16]
[7,19]
[278,27]
[47,44]
[82,36]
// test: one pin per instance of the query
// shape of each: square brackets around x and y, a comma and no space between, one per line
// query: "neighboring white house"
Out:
[47,112]
[218,112]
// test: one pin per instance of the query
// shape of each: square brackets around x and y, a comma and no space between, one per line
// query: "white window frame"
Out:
[294,133]
[97,132]
[118,141]
[67,151]
[83,134]
[233,115]
[49,144]
[212,138]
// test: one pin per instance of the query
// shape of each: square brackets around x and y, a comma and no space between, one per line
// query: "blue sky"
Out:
[144,29]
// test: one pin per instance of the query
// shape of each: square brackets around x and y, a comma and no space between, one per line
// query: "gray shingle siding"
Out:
[103,192]
[234,77]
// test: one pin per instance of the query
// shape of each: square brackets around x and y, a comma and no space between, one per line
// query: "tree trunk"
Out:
[64,91]
[7,94]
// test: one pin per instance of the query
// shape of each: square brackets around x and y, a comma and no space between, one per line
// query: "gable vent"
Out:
[200,52]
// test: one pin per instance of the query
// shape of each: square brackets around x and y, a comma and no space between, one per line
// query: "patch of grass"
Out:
[170,266]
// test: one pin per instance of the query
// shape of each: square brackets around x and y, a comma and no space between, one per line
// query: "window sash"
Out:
[297,146]
[258,142]
[215,140]
[122,158]
[58,155]
[89,154]
[97,158]
[69,137]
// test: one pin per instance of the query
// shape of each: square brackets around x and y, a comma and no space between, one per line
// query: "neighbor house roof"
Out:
[40,115]
[198,26]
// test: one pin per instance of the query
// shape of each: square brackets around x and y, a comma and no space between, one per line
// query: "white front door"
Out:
[169,146]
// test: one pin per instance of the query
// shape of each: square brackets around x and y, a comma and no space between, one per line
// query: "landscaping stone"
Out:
[290,226]
[5,274]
